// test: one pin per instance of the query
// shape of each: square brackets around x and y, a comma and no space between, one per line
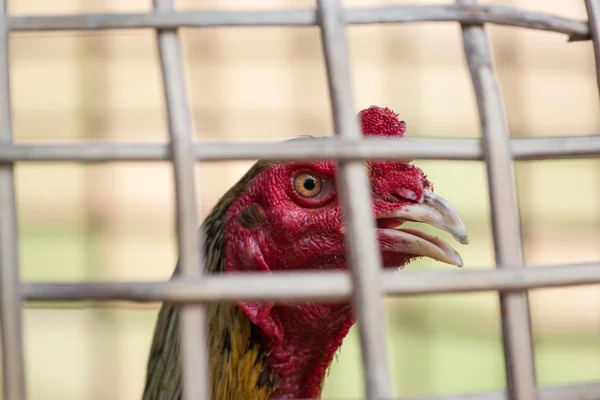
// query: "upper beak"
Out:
[433,210]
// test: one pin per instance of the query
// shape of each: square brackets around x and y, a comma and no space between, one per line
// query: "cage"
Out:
[366,284]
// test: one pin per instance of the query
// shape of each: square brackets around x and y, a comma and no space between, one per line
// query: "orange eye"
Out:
[308,185]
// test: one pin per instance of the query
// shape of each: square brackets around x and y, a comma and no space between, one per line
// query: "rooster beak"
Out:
[436,211]
[433,210]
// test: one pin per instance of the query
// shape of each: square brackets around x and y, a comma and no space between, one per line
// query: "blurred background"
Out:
[116,221]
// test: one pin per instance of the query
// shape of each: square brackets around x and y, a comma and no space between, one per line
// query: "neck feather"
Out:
[247,363]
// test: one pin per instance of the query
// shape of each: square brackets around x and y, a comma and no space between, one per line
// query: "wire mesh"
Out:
[367,283]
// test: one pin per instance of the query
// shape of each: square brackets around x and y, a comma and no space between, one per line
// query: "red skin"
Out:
[299,233]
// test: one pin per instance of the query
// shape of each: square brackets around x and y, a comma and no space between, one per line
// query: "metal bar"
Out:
[593,11]
[364,258]
[516,326]
[193,325]
[314,286]
[495,14]
[553,147]
[522,149]
[10,300]
[587,391]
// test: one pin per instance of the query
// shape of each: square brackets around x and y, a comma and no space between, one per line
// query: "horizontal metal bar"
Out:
[314,286]
[555,147]
[325,148]
[495,14]
[587,391]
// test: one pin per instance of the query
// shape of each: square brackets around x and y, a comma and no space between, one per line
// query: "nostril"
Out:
[403,194]
[397,197]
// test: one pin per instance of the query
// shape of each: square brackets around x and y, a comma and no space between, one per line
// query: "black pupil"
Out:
[310,184]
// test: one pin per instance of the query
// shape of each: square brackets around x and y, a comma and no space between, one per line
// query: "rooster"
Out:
[286,216]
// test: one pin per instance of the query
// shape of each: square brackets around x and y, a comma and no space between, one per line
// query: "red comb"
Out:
[381,121]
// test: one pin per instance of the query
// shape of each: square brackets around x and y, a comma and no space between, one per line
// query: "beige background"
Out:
[115,221]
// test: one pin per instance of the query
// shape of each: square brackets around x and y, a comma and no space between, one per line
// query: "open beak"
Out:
[433,210]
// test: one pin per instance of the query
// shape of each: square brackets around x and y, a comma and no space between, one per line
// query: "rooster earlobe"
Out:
[260,315]
[252,256]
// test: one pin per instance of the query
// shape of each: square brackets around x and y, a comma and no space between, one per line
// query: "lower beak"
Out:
[433,210]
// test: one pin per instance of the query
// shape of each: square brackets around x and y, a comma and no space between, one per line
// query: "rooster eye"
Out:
[308,185]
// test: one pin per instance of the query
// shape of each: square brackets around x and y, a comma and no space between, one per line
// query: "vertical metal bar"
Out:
[516,326]
[193,326]
[10,303]
[95,92]
[593,11]
[364,256]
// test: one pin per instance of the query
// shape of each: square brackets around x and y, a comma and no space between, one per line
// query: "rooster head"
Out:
[287,216]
